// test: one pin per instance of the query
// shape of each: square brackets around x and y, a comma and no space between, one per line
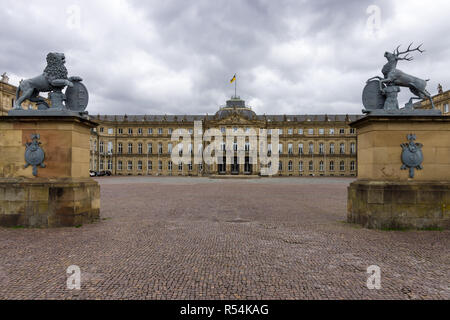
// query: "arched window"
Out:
[169,166]
[300,166]
[311,166]
[321,166]
[352,166]
[139,166]
[331,165]
[342,166]
[280,166]
[119,165]
[130,165]
[130,148]
[290,166]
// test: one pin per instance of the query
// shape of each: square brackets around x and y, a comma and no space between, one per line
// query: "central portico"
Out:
[241,121]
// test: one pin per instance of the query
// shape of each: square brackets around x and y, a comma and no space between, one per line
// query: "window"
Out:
[321,149]
[140,131]
[300,131]
[280,148]
[234,129]
[190,166]
[290,166]
[247,129]
[310,131]
[352,166]
[300,166]
[222,129]
[160,148]
[300,148]
[311,148]
[352,130]
[149,165]
[180,150]
[169,166]
[102,129]
[269,149]
[149,148]
[130,165]
[352,148]
[331,165]
[311,166]
[446,108]
[200,148]
[222,146]
[342,148]
[169,148]
[150,131]
[119,148]
[102,147]
[321,131]
[110,130]
[120,130]
[170,130]
[159,165]
[280,131]
[180,166]
[331,131]
[139,148]
[269,131]
[102,164]
[235,146]
[342,166]
[200,166]
[290,148]
[290,131]
[139,166]
[341,131]
[160,131]
[130,131]
[331,148]
[247,146]
[321,168]
[191,131]
[280,166]
[130,148]
[119,165]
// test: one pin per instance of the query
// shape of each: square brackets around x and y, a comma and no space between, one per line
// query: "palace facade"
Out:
[309,145]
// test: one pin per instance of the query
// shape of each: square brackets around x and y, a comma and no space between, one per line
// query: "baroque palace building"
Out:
[309,145]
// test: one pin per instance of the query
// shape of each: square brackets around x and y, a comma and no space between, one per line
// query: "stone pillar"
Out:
[384,195]
[59,194]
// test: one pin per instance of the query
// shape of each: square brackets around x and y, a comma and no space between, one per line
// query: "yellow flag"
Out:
[234,78]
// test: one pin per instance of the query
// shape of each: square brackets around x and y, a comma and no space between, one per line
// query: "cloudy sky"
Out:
[177,56]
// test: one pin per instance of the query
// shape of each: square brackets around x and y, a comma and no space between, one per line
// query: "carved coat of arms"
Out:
[34,155]
[412,156]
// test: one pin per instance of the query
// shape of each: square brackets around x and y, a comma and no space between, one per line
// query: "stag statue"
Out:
[394,76]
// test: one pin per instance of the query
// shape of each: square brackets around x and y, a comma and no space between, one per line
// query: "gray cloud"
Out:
[177,57]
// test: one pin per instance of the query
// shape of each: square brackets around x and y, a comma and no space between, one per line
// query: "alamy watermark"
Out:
[227,146]
[74,278]
[374,280]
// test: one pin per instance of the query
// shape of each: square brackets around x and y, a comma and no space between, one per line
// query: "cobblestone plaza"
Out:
[201,238]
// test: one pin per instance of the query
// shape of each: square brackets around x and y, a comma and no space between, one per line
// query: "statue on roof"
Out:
[5,78]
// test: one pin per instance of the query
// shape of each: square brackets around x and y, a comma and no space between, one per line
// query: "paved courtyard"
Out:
[200,238]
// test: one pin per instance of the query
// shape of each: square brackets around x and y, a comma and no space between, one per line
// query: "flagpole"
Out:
[235,85]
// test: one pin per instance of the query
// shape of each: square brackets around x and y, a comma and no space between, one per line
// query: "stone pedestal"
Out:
[61,193]
[384,196]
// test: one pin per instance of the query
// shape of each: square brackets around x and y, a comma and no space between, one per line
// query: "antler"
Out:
[407,57]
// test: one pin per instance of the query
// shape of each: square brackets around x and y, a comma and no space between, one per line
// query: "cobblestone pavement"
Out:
[197,238]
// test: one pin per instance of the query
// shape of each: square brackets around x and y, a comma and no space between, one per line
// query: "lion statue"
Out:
[54,78]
